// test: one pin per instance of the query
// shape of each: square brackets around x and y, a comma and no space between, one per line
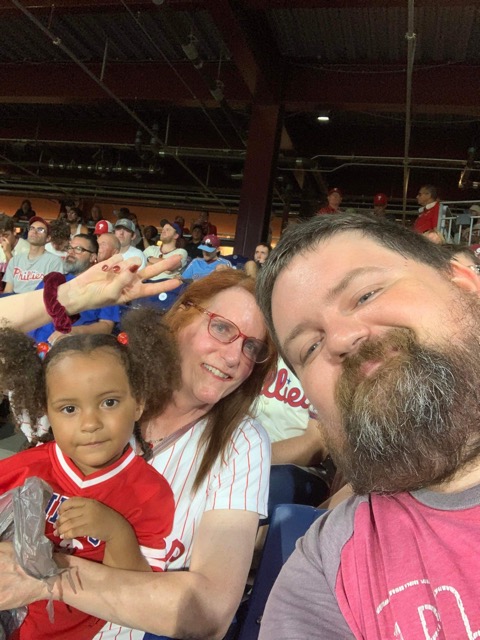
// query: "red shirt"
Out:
[428,219]
[328,209]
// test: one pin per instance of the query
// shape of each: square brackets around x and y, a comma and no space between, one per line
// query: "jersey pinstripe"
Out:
[239,482]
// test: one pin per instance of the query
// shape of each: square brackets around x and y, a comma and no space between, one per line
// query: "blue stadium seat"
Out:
[287,523]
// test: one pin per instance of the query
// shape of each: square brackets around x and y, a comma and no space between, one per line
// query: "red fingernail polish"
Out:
[105,267]
[116,268]
[134,268]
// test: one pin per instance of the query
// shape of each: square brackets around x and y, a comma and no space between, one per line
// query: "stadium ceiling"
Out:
[162,102]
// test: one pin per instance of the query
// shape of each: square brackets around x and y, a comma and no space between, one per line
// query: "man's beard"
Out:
[73,268]
[415,421]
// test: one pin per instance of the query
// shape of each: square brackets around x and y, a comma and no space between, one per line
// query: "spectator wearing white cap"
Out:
[334,198]
[125,232]
[171,231]
[201,267]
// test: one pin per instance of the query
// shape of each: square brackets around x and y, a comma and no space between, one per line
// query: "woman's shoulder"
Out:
[251,433]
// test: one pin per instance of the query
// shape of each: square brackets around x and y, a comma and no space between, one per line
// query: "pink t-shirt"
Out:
[384,568]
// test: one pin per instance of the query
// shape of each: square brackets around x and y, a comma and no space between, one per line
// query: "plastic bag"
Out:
[22,519]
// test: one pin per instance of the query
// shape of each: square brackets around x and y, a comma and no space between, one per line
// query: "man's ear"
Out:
[464,277]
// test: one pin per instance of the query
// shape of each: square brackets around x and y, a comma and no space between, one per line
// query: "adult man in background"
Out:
[201,267]
[298,447]
[261,254]
[26,270]
[11,243]
[81,255]
[192,247]
[208,229]
[125,232]
[383,336]
[108,246]
[427,198]
[380,202]
[334,200]
[169,236]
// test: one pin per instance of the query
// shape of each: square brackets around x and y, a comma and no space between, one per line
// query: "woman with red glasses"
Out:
[217,461]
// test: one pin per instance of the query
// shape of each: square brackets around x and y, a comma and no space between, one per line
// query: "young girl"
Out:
[107,503]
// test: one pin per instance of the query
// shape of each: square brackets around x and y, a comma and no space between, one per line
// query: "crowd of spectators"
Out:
[312,401]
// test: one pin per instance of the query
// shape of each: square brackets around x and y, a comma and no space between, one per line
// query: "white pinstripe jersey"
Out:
[241,482]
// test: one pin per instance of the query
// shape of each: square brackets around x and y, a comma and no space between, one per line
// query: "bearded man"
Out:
[384,337]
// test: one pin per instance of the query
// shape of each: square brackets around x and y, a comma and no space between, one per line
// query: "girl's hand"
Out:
[80,517]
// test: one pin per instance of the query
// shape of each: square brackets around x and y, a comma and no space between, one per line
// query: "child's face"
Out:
[91,408]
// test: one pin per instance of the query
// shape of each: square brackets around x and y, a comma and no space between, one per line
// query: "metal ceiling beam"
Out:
[266,5]
[75,6]
[443,89]
[57,83]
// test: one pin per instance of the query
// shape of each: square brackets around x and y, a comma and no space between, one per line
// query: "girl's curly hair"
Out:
[150,360]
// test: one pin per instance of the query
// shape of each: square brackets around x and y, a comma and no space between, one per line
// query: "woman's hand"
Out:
[16,587]
[115,281]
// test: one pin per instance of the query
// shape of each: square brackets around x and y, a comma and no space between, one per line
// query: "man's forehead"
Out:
[332,258]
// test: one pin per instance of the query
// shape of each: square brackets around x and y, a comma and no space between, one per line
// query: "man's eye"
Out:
[366,296]
[310,351]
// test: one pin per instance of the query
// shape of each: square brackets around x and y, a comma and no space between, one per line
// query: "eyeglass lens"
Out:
[38,229]
[77,249]
[225,331]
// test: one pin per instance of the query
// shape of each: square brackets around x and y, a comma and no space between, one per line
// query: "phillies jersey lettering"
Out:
[294,397]
[19,274]
[129,486]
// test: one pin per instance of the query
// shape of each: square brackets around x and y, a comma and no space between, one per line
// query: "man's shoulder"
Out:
[178,252]
[22,246]
[152,252]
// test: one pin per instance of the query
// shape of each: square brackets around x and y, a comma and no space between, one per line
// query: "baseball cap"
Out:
[39,219]
[127,224]
[209,243]
[175,226]
[380,200]
[475,208]
[103,226]
[335,190]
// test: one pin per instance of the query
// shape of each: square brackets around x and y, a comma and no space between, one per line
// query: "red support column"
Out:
[258,176]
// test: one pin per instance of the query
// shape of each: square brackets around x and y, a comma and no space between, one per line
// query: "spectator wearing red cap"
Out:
[171,232]
[380,202]
[334,197]
[25,271]
[103,226]
[201,267]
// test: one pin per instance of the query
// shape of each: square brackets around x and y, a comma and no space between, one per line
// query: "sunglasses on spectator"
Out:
[37,229]
[227,332]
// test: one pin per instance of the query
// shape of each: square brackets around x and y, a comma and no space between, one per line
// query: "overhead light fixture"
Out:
[323,116]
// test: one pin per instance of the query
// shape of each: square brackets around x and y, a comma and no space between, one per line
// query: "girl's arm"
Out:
[84,517]
[199,603]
